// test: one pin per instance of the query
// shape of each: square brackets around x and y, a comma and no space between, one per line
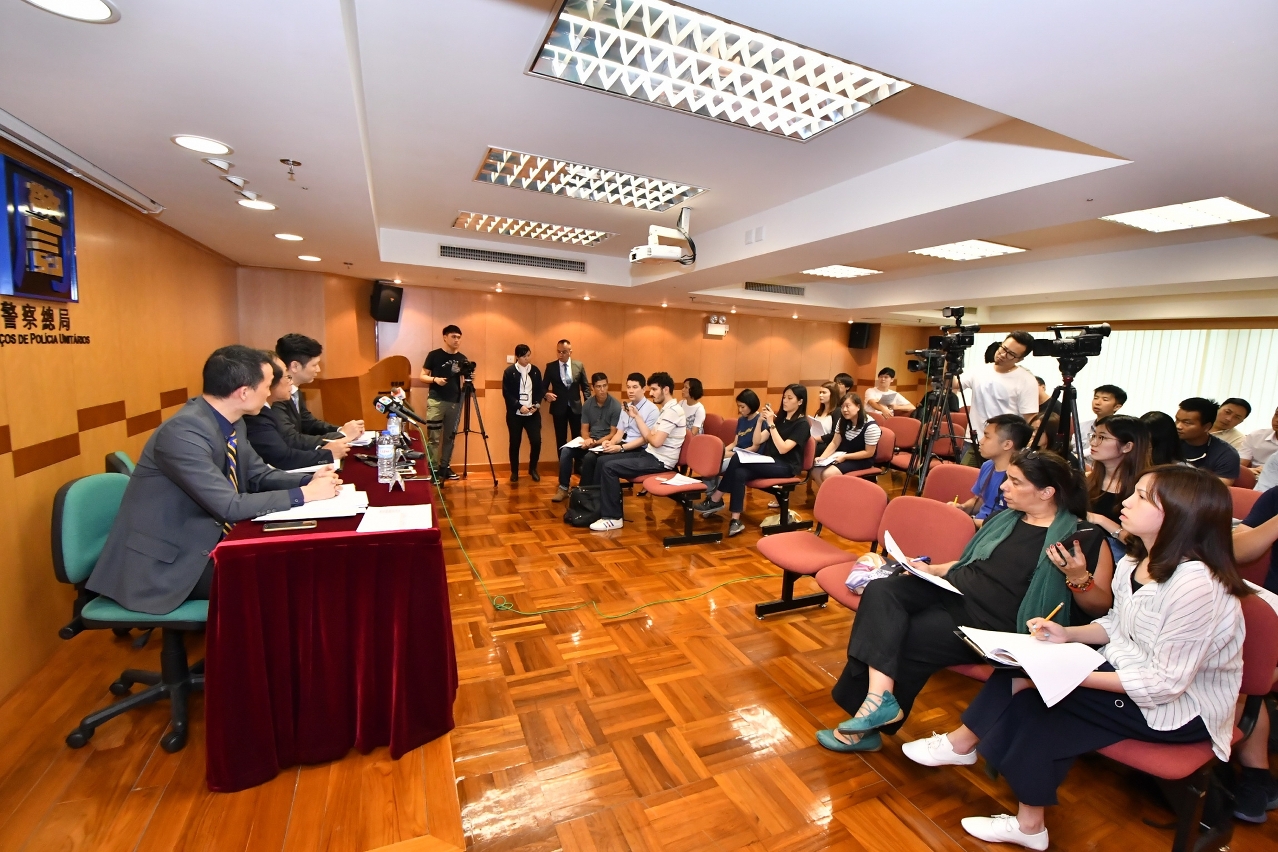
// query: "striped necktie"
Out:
[232,473]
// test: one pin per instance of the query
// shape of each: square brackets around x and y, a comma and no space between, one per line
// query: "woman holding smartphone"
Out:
[1173,648]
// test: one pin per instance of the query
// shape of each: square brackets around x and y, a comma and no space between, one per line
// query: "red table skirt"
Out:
[317,643]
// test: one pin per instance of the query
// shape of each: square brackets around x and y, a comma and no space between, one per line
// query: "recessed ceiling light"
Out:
[577,180]
[662,53]
[490,224]
[310,257]
[587,298]
[841,271]
[733,311]
[235,180]
[256,204]
[851,321]
[201,144]
[663,304]
[794,316]
[967,250]
[220,165]
[397,281]
[498,288]
[292,238]
[1192,214]
[89,11]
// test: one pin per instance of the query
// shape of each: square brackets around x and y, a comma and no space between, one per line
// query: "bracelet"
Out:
[1085,585]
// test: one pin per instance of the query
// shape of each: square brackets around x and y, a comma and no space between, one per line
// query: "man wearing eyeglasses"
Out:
[1000,388]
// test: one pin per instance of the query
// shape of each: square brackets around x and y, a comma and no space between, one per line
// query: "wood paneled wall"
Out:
[761,353]
[154,304]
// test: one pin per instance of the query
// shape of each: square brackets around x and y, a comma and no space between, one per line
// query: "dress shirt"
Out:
[1177,648]
[626,424]
[1259,446]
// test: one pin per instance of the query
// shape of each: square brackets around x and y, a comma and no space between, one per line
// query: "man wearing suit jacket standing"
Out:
[521,387]
[566,389]
[301,357]
[198,475]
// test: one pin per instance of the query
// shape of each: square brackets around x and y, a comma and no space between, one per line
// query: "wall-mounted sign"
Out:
[37,246]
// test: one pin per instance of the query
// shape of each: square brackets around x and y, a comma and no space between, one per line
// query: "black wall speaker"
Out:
[385,302]
[859,335]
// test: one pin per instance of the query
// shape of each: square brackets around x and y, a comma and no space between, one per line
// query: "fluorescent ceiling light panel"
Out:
[837,271]
[672,56]
[967,250]
[577,180]
[487,223]
[1192,214]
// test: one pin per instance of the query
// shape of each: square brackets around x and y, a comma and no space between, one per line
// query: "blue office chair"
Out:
[83,512]
[119,462]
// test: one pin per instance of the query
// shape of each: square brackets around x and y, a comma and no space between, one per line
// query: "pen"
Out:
[1051,615]
[954,502]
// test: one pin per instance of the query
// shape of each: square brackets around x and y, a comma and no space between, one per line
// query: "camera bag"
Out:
[583,506]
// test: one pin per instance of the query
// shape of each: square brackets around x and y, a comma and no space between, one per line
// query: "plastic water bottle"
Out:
[385,457]
[394,426]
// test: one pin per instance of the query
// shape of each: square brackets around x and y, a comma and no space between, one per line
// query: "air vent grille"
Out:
[511,259]
[780,289]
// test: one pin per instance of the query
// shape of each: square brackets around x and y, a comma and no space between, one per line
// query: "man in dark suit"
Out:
[275,441]
[197,476]
[521,387]
[566,388]
[301,357]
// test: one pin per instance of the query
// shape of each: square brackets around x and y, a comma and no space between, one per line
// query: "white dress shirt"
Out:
[1177,648]
[1259,446]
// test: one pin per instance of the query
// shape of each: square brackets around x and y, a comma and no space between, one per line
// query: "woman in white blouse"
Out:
[1173,649]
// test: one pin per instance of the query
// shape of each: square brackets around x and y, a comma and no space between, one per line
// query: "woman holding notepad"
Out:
[1173,649]
[855,440]
[1014,568]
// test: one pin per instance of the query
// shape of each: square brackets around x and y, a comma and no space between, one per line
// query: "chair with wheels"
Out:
[702,454]
[83,512]
[781,488]
[851,508]
[119,462]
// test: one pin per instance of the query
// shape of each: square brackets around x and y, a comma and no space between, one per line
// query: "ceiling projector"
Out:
[655,251]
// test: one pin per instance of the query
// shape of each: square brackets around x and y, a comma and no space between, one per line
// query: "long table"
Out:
[326,640]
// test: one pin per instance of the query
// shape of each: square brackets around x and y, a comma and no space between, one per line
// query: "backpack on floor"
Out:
[583,506]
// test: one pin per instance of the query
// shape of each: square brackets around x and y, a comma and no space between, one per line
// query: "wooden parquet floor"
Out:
[676,728]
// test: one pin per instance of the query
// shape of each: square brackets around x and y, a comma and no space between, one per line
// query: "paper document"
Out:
[574,443]
[316,468]
[827,461]
[815,429]
[680,479]
[889,544]
[888,398]
[392,518]
[597,448]
[364,440]
[751,457]
[1056,669]
[347,503]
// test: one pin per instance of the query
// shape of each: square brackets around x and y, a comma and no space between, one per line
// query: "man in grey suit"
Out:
[197,476]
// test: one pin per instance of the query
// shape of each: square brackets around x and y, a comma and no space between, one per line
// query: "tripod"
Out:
[468,401]
[939,414]
[1068,440]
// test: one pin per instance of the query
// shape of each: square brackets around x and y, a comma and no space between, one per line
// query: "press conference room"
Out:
[639,425]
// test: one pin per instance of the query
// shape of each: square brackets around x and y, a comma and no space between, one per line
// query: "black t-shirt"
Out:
[993,588]
[441,363]
[1265,508]
[796,430]
[1108,505]
[1216,456]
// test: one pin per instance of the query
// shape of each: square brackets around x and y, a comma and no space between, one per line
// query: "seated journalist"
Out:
[269,434]
[1013,569]
[198,475]
[1173,648]
[627,438]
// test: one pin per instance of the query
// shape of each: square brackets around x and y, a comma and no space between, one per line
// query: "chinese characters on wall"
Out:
[40,325]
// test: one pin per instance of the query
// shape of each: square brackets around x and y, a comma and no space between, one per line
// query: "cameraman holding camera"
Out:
[1003,388]
[444,370]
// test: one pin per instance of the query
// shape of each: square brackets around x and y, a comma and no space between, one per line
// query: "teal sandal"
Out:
[886,712]
[873,741]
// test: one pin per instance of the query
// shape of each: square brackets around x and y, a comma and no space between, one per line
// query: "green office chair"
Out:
[119,462]
[83,511]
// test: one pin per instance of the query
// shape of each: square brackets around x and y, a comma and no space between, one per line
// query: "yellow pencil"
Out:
[954,502]
[1051,614]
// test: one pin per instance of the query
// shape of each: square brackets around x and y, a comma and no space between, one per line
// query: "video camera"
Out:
[467,369]
[1086,343]
[948,346]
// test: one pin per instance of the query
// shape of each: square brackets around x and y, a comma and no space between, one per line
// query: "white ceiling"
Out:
[1023,116]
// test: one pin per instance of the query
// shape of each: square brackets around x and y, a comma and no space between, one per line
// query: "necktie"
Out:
[232,473]
[563,371]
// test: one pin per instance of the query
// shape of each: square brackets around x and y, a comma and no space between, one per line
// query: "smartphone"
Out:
[1086,537]
[281,526]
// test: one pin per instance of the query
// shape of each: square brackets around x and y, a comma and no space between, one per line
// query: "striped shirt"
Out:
[1177,648]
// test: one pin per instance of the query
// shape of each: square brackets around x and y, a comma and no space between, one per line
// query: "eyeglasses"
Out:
[1098,437]
[1018,356]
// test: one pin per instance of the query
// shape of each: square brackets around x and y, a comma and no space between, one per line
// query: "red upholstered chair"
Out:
[947,481]
[851,508]
[726,431]
[906,430]
[1246,479]
[712,422]
[703,454]
[1257,570]
[925,527]
[1183,771]
[1243,499]
[882,456]
[682,463]
[781,488]
[879,418]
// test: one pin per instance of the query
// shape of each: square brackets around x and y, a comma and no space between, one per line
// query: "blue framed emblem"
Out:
[37,246]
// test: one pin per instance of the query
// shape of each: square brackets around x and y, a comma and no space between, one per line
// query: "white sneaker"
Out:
[1003,829]
[606,524]
[937,750]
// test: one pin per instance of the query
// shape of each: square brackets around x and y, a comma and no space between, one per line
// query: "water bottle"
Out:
[393,425]
[385,457]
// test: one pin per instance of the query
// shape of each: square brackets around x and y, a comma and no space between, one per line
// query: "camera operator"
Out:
[444,370]
[1004,388]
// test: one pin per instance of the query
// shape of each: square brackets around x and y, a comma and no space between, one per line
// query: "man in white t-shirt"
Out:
[1002,388]
[665,440]
[1259,446]
[883,398]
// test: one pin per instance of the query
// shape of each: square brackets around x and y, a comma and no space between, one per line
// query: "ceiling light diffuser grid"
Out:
[675,57]
[578,180]
[488,223]
[1192,214]
[838,271]
[967,250]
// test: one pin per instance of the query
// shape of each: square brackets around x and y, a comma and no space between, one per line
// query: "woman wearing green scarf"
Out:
[1011,571]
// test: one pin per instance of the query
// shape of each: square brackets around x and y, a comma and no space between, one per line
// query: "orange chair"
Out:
[947,481]
[702,454]
[782,487]
[851,508]
[1246,479]
[1243,499]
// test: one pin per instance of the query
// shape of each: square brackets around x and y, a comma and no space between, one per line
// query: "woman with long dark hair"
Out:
[855,440]
[1173,649]
[1164,441]
[1013,569]
[1120,454]
[783,437]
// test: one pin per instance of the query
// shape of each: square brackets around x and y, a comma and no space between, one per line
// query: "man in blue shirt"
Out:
[627,438]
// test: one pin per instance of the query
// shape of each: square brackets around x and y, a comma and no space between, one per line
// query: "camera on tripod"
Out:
[467,369]
[1087,341]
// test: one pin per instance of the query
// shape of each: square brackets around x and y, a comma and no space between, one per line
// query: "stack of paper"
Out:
[392,518]
[677,479]
[316,468]
[347,503]
[889,544]
[751,457]
[574,443]
[1056,668]
[828,460]
[364,440]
